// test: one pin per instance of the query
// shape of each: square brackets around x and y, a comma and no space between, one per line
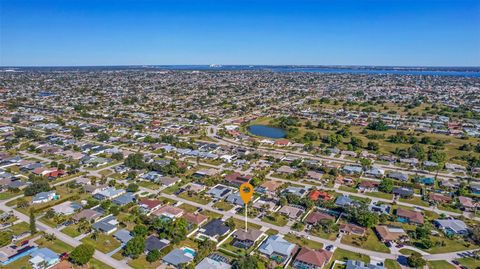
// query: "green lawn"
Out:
[20,228]
[407,252]
[49,222]
[345,255]
[370,242]
[301,241]
[382,195]
[240,224]
[276,219]
[469,262]
[210,214]
[440,265]
[451,245]
[188,208]
[148,185]
[96,264]
[142,263]
[415,201]
[104,243]
[391,264]
[56,245]
[195,197]
[8,194]
[71,231]
[222,205]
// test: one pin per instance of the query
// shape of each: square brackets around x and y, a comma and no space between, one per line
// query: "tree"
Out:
[247,262]
[82,254]
[77,132]
[37,187]
[134,247]
[415,260]
[33,225]
[132,187]
[140,230]
[386,185]
[118,156]
[373,146]
[153,256]
[365,163]
[135,161]
[377,125]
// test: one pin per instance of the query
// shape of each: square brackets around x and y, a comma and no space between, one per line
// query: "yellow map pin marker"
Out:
[246,192]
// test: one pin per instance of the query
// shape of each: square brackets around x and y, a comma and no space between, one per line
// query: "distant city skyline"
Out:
[362,33]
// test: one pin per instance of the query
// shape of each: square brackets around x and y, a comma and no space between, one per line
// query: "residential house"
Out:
[439,198]
[368,186]
[147,206]
[124,199]
[352,169]
[350,228]
[88,214]
[398,176]
[43,258]
[311,259]
[344,201]
[246,239]
[277,248]
[168,211]
[298,191]
[452,226]
[375,172]
[352,264]
[219,191]
[44,197]
[237,179]
[390,233]
[66,208]
[209,263]
[123,236]
[196,219]
[106,225]
[316,194]
[409,216]
[467,203]
[403,192]
[152,242]
[235,199]
[317,216]
[214,229]
[179,257]
[292,212]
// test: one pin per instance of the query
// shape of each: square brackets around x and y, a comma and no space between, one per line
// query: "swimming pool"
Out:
[189,251]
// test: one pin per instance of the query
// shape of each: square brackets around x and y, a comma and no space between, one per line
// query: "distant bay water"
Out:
[471,72]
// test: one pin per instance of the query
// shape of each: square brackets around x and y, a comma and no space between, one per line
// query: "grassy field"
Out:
[71,230]
[440,265]
[276,219]
[301,241]
[20,228]
[104,243]
[56,245]
[142,263]
[223,205]
[195,197]
[345,255]
[470,263]
[240,224]
[391,264]
[369,242]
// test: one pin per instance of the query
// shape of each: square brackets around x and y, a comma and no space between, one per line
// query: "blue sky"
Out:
[388,32]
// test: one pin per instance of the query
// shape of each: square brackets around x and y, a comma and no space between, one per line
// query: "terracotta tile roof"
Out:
[315,257]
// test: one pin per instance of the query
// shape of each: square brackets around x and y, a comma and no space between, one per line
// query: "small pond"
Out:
[267,131]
